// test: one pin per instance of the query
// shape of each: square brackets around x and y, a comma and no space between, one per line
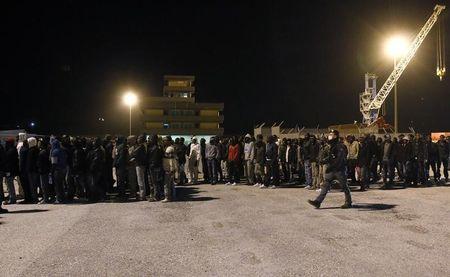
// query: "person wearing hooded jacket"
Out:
[444,154]
[335,171]
[59,169]
[95,163]
[23,175]
[32,169]
[249,157]
[44,166]
[79,168]
[193,161]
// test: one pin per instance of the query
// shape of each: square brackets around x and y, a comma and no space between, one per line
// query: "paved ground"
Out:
[233,231]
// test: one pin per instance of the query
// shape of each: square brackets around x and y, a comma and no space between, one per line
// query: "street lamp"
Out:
[130,99]
[396,47]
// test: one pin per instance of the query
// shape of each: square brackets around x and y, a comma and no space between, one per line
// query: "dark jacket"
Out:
[79,160]
[58,156]
[314,151]
[23,157]
[272,153]
[155,156]
[338,157]
[140,156]
[444,149]
[43,162]
[11,162]
[96,160]
[364,157]
[433,151]
[181,150]
[32,158]
[121,157]
[260,152]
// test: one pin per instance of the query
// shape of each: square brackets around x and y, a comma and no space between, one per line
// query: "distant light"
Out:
[396,46]
[101,119]
[130,98]
[32,124]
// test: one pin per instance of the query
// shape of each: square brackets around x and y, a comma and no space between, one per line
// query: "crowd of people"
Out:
[60,169]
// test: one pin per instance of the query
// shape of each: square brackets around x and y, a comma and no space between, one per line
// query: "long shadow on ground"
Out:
[28,211]
[186,194]
[367,207]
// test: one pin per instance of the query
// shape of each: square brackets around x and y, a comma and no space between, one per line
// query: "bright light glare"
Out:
[396,46]
[130,99]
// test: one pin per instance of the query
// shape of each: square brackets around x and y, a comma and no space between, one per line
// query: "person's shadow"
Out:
[367,207]
[27,211]
[187,194]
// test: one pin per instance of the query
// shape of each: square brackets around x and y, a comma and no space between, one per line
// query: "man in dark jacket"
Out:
[260,160]
[444,152]
[120,163]
[96,163]
[433,158]
[32,169]
[272,166]
[363,162]
[211,155]
[387,162]
[335,171]
[155,158]
[59,170]
[181,150]
[44,166]
[23,175]
[108,175]
[79,168]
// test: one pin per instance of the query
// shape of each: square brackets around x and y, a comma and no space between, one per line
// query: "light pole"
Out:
[396,47]
[130,99]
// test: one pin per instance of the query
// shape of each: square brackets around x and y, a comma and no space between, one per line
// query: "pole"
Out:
[395,103]
[130,120]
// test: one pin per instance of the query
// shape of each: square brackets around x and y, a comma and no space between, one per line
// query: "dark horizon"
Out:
[66,64]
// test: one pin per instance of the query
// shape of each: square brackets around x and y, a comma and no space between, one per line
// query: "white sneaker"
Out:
[227,184]
[257,185]
[272,187]
[308,187]
[233,184]
[262,186]
[318,190]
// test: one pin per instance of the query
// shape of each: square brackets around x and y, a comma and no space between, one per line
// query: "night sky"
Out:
[66,64]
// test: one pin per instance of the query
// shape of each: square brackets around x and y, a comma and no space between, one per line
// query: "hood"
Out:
[56,144]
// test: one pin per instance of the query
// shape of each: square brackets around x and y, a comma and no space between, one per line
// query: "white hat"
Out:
[248,136]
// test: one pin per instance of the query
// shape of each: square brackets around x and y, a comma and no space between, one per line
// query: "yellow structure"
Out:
[177,113]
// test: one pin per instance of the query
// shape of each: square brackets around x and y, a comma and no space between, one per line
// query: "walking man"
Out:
[335,171]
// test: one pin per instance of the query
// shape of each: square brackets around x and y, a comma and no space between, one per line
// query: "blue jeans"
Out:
[212,170]
[308,173]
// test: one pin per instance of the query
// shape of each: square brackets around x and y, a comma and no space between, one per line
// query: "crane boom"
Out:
[383,93]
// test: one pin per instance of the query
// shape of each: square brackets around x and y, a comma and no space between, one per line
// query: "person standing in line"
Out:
[352,156]
[363,162]
[224,161]
[204,165]
[388,163]
[314,148]
[306,158]
[249,156]
[433,157]
[282,149]
[291,159]
[32,170]
[131,167]
[422,158]
[120,163]
[23,177]
[96,163]
[181,150]
[155,163]
[108,174]
[11,169]
[335,171]
[140,156]
[169,167]
[272,166]
[260,160]
[444,153]
[194,159]
[79,168]
[212,154]
[59,169]
[233,162]
[323,158]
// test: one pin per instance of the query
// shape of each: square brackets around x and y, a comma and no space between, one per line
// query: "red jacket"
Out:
[233,152]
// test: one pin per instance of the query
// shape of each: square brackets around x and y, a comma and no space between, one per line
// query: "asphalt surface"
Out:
[233,231]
